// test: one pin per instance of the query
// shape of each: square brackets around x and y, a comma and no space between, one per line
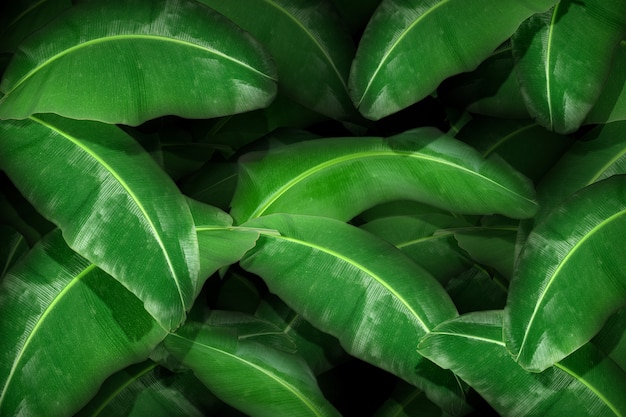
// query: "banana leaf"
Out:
[423,165]
[611,105]
[252,377]
[612,338]
[408,401]
[471,346]
[12,246]
[108,197]
[324,270]
[160,57]
[65,328]
[410,46]
[478,289]
[568,278]
[563,59]
[308,41]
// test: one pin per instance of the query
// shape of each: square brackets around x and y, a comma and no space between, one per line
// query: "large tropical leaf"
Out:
[611,105]
[569,278]
[350,284]
[307,41]
[109,198]
[562,65]
[66,326]
[12,246]
[471,346]
[255,378]
[410,46]
[129,61]
[341,177]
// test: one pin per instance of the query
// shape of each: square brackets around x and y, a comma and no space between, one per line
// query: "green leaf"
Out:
[582,33]
[490,246]
[307,41]
[427,240]
[172,57]
[422,165]
[254,378]
[53,289]
[408,401]
[477,290]
[350,284]
[109,197]
[611,105]
[569,277]
[12,246]
[472,347]
[410,46]
[20,18]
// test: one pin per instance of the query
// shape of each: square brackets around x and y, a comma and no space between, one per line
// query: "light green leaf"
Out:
[254,378]
[564,57]
[307,41]
[350,284]
[171,57]
[108,197]
[422,165]
[53,289]
[568,278]
[611,105]
[471,346]
[410,46]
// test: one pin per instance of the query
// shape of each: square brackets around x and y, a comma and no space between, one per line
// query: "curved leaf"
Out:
[254,378]
[12,246]
[171,57]
[611,105]
[53,289]
[325,270]
[563,58]
[108,196]
[410,46]
[425,165]
[307,41]
[472,347]
[569,278]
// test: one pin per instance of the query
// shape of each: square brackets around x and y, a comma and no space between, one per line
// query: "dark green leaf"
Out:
[410,46]
[12,246]
[562,65]
[66,325]
[477,290]
[341,177]
[611,105]
[569,278]
[408,401]
[109,197]
[171,57]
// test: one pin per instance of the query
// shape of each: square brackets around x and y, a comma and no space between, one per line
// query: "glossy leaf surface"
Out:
[254,378]
[108,196]
[51,291]
[225,71]
[562,66]
[351,285]
[308,41]
[341,177]
[410,46]
[568,279]
[573,387]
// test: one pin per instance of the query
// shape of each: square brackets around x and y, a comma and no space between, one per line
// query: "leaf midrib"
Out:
[112,38]
[273,197]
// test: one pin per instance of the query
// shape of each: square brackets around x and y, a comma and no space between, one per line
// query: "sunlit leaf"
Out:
[471,346]
[252,377]
[562,67]
[171,57]
[108,197]
[410,46]
[569,278]
[66,326]
[341,177]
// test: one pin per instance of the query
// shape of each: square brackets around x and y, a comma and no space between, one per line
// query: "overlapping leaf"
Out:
[109,198]
[352,285]
[131,61]
[569,278]
[12,246]
[471,346]
[611,105]
[562,66]
[66,326]
[410,46]
[307,41]
[341,177]
[256,379]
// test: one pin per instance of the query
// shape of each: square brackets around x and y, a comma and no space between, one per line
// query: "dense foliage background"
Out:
[298,207]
